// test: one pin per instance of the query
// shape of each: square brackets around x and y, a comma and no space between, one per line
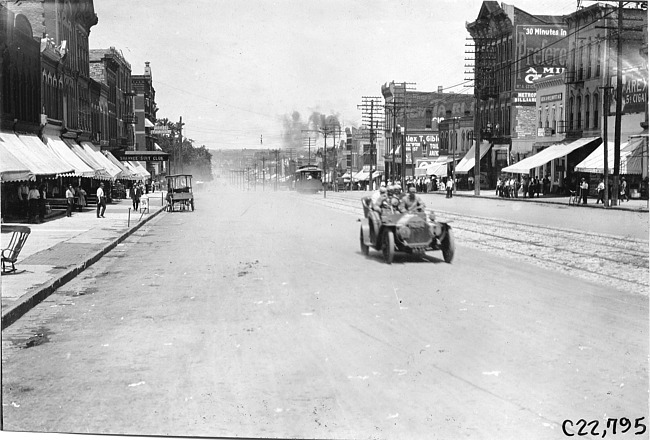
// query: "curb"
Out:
[30,300]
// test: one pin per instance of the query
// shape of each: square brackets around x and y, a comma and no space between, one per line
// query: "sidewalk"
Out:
[632,205]
[637,205]
[60,248]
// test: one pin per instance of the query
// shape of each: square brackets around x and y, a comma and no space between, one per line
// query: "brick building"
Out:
[145,109]
[110,68]
[512,49]
[412,119]
[21,76]
[65,26]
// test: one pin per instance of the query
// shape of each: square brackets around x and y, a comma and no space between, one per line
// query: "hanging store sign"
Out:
[541,51]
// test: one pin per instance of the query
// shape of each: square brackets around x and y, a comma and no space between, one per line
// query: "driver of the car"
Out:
[378,197]
[412,202]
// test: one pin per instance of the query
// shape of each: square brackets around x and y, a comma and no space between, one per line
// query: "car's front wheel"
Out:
[388,246]
[364,249]
[448,246]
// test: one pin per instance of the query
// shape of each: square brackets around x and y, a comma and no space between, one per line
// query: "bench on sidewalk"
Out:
[10,254]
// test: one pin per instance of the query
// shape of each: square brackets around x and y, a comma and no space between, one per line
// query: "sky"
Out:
[234,70]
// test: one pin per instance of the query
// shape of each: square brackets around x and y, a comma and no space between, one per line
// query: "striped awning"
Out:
[12,169]
[33,153]
[631,154]
[65,153]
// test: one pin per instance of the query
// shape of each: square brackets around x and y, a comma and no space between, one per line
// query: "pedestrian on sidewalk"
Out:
[623,186]
[32,198]
[135,194]
[82,198]
[41,203]
[584,190]
[601,192]
[69,196]
[450,188]
[101,201]
[23,192]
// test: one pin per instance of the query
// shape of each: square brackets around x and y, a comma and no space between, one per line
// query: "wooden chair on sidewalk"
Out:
[10,254]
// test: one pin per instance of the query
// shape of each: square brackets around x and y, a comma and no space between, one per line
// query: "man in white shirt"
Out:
[101,201]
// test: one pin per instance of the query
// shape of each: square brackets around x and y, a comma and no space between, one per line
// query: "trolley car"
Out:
[308,179]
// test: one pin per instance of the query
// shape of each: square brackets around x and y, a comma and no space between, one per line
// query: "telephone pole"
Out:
[371,116]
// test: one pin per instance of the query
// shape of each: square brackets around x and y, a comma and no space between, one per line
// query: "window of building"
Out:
[570,118]
[596,123]
[589,51]
[587,111]
[539,118]
[579,113]
[553,120]
[580,62]
[546,116]
[428,114]
[598,57]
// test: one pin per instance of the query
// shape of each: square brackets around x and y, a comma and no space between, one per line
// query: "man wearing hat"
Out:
[411,202]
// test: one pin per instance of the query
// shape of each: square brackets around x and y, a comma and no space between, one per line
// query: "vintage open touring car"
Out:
[412,232]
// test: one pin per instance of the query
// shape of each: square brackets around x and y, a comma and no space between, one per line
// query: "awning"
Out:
[100,170]
[141,169]
[61,149]
[360,176]
[148,123]
[157,147]
[631,159]
[125,173]
[545,156]
[11,168]
[467,162]
[112,169]
[33,153]
[439,167]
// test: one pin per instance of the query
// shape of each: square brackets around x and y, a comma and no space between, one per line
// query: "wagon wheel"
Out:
[388,246]
[448,246]
[364,249]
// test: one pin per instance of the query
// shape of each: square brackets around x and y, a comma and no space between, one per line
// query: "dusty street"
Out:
[258,316]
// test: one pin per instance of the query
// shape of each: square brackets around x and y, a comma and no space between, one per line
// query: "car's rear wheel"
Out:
[388,246]
[448,246]
[364,249]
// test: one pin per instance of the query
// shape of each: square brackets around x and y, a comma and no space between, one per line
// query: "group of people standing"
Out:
[32,200]
[513,187]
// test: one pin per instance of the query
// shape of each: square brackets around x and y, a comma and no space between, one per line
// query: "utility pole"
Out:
[619,103]
[180,137]
[371,116]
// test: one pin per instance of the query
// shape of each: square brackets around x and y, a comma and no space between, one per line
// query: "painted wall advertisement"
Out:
[424,145]
[542,51]
[635,92]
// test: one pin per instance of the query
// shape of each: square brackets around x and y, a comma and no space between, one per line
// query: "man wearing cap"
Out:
[412,202]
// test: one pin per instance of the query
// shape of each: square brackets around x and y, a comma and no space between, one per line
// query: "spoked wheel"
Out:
[364,249]
[448,246]
[388,246]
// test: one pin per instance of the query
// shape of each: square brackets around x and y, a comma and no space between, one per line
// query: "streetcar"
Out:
[308,179]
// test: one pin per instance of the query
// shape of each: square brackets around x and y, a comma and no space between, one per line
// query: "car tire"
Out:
[365,250]
[448,246]
[388,246]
